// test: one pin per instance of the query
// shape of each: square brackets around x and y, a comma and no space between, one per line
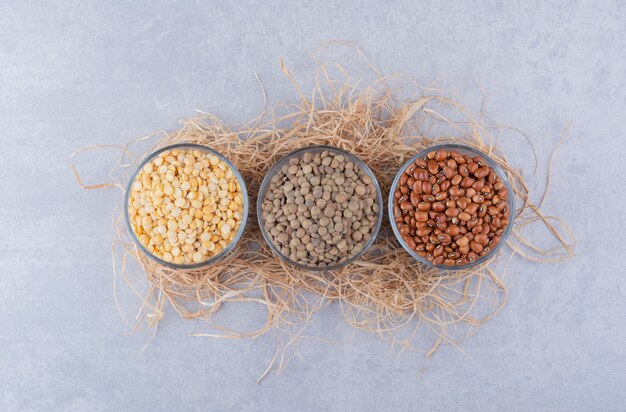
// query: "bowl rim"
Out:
[285,159]
[452,147]
[242,226]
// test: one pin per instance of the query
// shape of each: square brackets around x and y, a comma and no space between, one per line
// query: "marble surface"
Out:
[76,73]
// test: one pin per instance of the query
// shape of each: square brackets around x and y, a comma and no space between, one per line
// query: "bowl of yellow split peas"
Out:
[186,206]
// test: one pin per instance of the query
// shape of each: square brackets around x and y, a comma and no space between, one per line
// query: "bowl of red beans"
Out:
[451,206]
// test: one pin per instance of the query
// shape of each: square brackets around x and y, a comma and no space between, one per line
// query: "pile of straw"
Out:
[385,292]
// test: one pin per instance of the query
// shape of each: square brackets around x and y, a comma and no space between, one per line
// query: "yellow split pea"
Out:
[185,206]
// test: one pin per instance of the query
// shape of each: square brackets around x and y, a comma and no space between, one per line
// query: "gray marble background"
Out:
[76,73]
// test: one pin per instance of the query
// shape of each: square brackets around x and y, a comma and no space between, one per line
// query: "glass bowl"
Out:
[244,218]
[463,150]
[314,150]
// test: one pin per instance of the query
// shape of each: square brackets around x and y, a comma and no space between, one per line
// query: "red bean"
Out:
[478,185]
[472,208]
[481,172]
[417,187]
[453,230]
[433,167]
[476,247]
[438,251]
[467,182]
[464,216]
[427,188]
[424,231]
[406,205]
[496,221]
[462,202]
[482,239]
[424,206]
[472,223]
[444,238]
[421,216]
[415,199]
[441,155]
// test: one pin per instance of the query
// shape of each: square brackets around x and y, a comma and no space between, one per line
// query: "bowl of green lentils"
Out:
[319,208]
